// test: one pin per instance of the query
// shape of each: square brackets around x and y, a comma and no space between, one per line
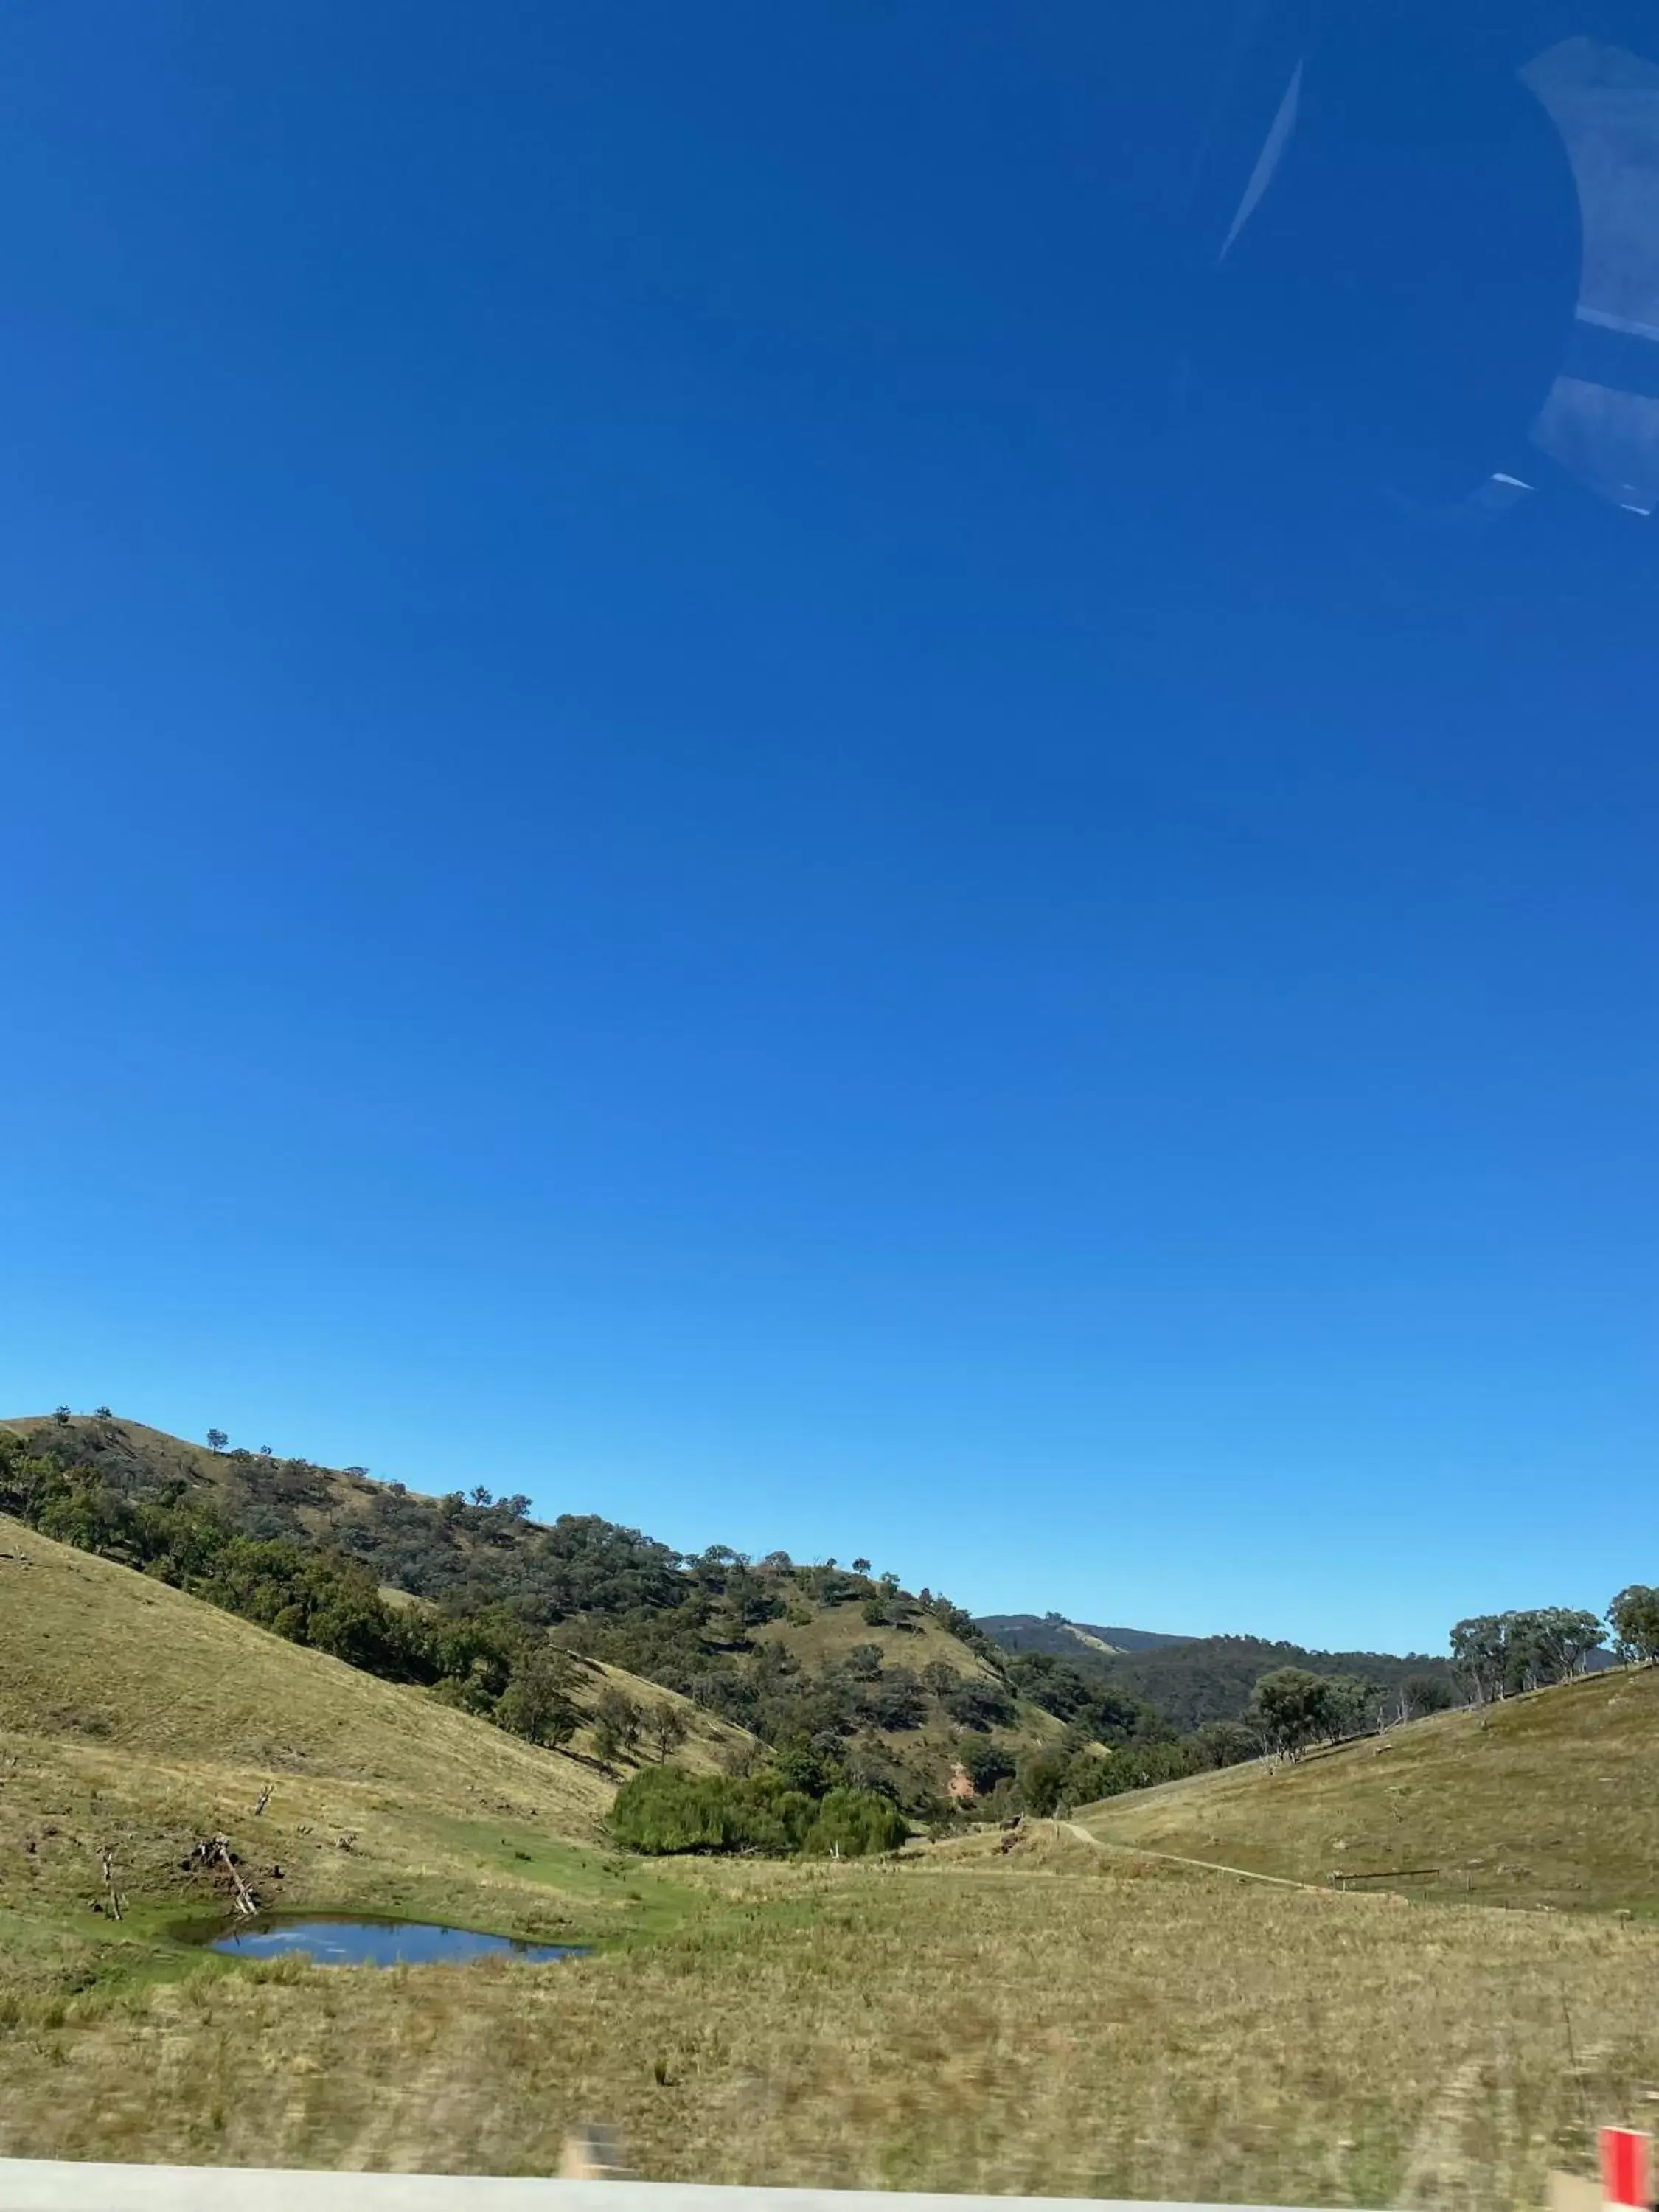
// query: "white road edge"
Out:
[29,2184]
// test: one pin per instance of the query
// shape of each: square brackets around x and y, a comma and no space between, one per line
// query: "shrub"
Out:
[895,1701]
[1427,1694]
[664,1808]
[808,1768]
[975,1704]
[853,1823]
[1043,1781]
[985,1763]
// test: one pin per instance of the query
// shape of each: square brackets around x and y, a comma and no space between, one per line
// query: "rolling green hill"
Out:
[1546,1799]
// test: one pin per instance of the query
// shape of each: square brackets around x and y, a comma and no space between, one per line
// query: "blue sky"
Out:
[673,839]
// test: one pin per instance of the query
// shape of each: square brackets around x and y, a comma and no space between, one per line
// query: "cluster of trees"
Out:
[1498,1654]
[1076,1772]
[1086,1702]
[1291,1709]
[663,1808]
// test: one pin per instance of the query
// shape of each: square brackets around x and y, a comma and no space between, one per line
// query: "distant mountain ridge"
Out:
[1194,1679]
[1051,1632]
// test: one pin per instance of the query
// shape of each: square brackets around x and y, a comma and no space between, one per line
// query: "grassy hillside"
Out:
[775,1647]
[136,1721]
[821,1635]
[832,1638]
[1541,1800]
[137,1718]
[92,1651]
[289,1492]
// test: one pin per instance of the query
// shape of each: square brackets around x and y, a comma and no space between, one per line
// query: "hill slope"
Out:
[92,1651]
[781,1649]
[1545,1799]
[137,1721]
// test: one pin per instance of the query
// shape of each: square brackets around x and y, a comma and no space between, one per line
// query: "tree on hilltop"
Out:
[1502,1654]
[1633,1616]
[1290,1708]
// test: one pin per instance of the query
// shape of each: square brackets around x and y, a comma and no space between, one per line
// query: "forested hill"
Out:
[1211,1677]
[468,1550]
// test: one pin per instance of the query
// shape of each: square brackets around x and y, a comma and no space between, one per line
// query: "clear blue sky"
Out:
[671,839]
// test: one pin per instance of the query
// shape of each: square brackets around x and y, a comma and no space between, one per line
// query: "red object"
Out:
[1625,2168]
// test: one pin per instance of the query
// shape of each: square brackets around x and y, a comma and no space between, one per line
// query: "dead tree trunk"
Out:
[246,1902]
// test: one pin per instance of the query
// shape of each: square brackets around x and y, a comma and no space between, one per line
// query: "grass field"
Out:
[1056,2020]
[1546,1800]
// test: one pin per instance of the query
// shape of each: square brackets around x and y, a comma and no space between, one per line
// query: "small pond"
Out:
[348,1939]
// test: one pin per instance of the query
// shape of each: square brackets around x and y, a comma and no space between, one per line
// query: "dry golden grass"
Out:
[1542,1800]
[1058,2020]
[490,1863]
[94,1650]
